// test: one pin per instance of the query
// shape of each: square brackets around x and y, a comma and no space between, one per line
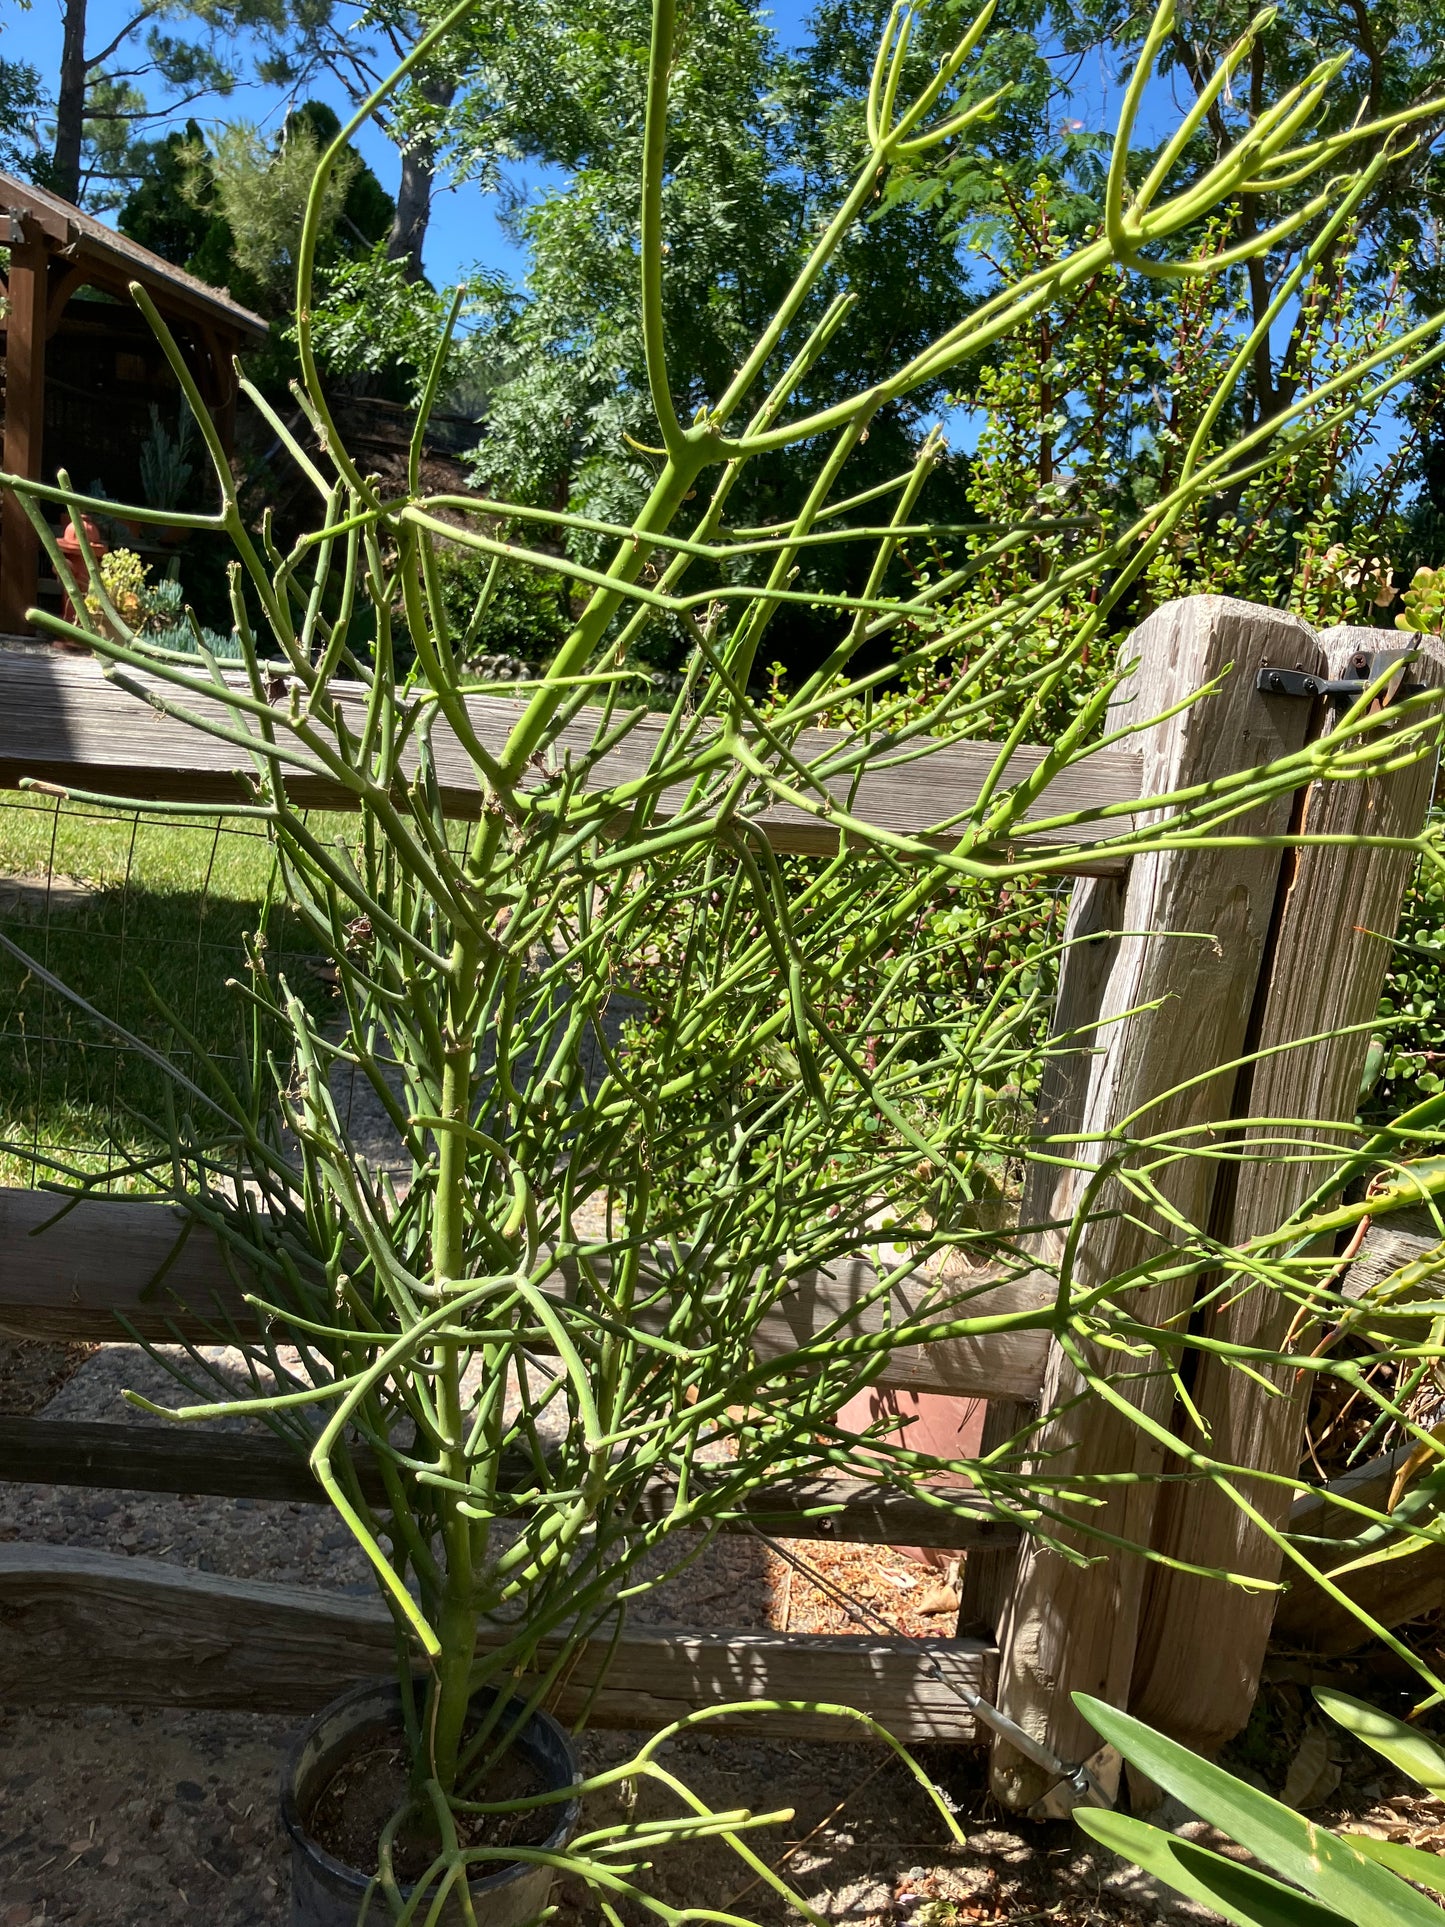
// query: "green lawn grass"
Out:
[117,905]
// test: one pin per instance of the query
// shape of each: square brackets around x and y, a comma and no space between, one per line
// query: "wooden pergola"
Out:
[56,250]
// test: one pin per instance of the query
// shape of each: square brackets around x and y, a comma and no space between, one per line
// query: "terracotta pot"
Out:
[69,546]
[941,1423]
[325,1892]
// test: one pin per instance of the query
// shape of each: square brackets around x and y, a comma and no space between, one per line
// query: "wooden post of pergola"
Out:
[56,249]
[26,332]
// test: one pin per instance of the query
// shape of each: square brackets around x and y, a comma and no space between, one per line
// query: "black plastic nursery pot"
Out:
[325,1892]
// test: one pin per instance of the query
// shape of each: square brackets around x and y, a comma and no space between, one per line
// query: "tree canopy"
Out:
[229,209]
[82,130]
[760,141]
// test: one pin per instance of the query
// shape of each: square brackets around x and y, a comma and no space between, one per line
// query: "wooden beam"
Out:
[223,384]
[71,278]
[174,1458]
[62,721]
[1404,1238]
[94,1628]
[1202,1643]
[178,296]
[25,336]
[1393,1593]
[109,1264]
[998,1365]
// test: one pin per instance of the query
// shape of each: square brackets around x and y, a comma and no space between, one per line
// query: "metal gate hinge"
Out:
[1368,666]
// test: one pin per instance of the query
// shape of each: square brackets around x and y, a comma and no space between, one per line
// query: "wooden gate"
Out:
[1193,959]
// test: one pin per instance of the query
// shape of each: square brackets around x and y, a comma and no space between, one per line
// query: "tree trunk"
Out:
[70,104]
[413,196]
[1267,399]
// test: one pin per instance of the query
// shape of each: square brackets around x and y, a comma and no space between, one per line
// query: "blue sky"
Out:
[465,228]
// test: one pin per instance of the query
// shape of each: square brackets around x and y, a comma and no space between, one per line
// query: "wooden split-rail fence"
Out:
[1195,958]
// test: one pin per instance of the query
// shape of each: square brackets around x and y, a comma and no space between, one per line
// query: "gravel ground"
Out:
[109,1818]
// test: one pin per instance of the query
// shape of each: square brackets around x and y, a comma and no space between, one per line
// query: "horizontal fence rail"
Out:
[177,1459]
[102,1629]
[1393,1592]
[110,1265]
[63,722]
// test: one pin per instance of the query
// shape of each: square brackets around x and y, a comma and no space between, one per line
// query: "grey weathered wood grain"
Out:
[988,1577]
[997,1365]
[106,1265]
[173,1458]
[1075,1627]
[62,721]
[1393,1594]
[93,1628]
[1404,1238]
[97,1270]
[1369,1484]
[1203,1643]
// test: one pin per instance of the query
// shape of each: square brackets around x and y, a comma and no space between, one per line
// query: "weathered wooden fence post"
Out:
[1095,915]
[1201,1643]
[1173,1004]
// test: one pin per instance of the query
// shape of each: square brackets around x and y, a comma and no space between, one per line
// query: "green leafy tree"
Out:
[101,107]
[165,213]
[260,189]
[231,210]
[378,326]
[22,99]
[1389,56]
[746,184]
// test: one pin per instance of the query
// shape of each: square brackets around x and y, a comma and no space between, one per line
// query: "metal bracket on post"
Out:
[1095,1784]
[1369,667]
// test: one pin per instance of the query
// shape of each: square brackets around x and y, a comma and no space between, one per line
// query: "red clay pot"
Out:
[69,546]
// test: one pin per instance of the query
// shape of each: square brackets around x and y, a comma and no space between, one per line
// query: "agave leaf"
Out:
[1241,1894]
[1411,1863]
[1405,1747]
[1365,1893]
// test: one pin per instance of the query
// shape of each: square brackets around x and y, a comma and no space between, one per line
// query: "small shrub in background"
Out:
[501,610]
[154,609]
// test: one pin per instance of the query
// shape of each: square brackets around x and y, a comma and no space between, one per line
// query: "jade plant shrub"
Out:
[1327,1877]
[153,609]
[1089,413]
[644,1075]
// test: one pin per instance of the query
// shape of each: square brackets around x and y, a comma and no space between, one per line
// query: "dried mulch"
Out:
[32,1371]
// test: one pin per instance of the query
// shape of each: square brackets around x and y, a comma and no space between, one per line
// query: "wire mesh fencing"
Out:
[120,932]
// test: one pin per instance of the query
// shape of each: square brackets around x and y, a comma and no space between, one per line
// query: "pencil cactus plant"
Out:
[630,1203]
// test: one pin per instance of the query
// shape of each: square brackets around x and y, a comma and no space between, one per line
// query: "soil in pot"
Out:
[350,1810]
